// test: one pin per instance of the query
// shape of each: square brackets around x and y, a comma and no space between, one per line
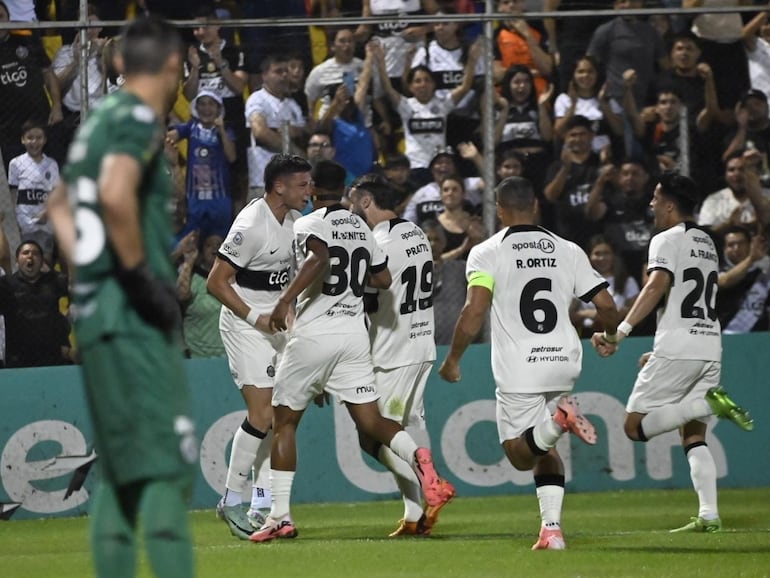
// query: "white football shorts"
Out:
[665,381]
[401,392]
[339,364]
[517,412]
[253,356]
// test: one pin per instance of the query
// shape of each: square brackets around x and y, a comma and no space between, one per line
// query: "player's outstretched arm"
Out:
[653,291]
[468,326]
[315,266]
[605,343]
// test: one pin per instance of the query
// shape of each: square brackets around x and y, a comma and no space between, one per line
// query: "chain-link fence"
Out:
[52,73]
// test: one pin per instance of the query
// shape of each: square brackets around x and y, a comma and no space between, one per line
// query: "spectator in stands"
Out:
[449,283]
[210,152]
[348,120]
[266,111]
[524,121]
[720,40]
[743,299]
[742,202]
[628,42]
[622,206]
[297,80]
[756,42]
[31,178]
[446,54]
[753,130]
[322,82]
[693,81]
[570,179]
[394,37]
[568,39]
[622,287]
[217,66]
[426,202]
[266,40]
[66,67]
[424,114]
[518,43]
[508,162]
[586,95]
[200,309]
[37,334]
[397,170]
[28,70]
[320,147]
[462,230]
[113,79]
[661,136]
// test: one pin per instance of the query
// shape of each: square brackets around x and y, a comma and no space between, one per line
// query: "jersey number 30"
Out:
[347,271]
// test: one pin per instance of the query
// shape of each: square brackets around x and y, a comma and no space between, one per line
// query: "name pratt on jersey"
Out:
[417,249]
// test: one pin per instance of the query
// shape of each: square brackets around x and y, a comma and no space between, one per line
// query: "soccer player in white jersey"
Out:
[678,385]
[328,350]
[251,269]
[529,276]
[401,330]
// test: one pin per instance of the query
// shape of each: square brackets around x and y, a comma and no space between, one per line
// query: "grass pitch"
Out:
[614,534]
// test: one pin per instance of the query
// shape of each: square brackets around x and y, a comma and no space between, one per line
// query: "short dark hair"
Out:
[515,193]
[329,176]
[34,123]
[281,165]
[419,68]
[29,242]
[380,190]
[148,42]
[737,230]
[396,160]
[271,59]
[681,190]
[576,121]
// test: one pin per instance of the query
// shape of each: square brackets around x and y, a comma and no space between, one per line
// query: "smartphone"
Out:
[349,80]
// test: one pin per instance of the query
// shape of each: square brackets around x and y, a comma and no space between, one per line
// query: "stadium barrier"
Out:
[45,435]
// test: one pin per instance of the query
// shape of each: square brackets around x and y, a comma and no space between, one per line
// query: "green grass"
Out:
[613,534]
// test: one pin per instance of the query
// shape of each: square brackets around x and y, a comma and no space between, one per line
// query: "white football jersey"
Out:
[402,330]
[259,247]
[334,304]
[688,327]
[536,274]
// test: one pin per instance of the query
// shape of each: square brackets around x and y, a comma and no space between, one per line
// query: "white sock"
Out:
[670,417]
[703,472]
[242,455]
[260,494]
[550,499]
[546,434]
[280,484]
[407,483]
[404,447]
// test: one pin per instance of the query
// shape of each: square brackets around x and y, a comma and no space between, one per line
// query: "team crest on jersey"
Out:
[22,52]
[210,67]
[238,238]
[48,175]
[270,371]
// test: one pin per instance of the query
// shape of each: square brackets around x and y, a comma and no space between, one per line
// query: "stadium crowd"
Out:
[591,110]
